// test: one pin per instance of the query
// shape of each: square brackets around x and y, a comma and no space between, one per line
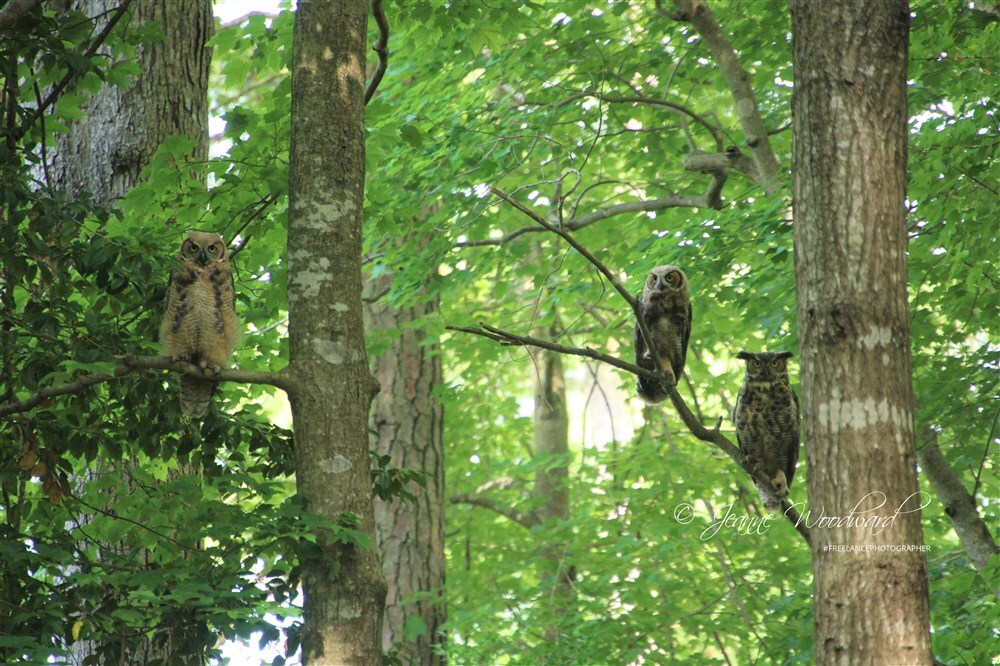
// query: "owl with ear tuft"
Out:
[665,306]
[767,422]
[200,324]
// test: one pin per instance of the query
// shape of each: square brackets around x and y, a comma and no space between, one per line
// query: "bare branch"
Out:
[510,339]
[711,199]
[589,256]
[713,436]
[132,363]
[958,504]
[714,130]
[381,48]
[700,16]
[527,520]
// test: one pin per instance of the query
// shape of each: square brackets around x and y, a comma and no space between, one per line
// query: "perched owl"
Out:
[767,422]
[666,308]
[200,324]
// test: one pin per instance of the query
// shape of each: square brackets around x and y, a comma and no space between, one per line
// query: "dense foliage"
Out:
[560,105]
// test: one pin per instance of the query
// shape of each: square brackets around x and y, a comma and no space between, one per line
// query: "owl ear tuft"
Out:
[784,355]
[745,356]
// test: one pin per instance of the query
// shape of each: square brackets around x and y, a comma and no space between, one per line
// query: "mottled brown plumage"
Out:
[666,308]
[200,324]
[767,422]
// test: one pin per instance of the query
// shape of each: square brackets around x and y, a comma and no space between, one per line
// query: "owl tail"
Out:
[196,394]
[651,391]
[767,498]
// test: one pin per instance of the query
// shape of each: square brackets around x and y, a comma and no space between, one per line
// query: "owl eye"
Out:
[755,364]
[213,247]
[193,247]
[671,277]
[776,364]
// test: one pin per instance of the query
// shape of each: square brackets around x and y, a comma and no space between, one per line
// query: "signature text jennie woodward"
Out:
[870,513]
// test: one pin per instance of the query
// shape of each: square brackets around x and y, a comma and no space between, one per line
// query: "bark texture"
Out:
[332,386]
[849,108]
[121,128]
[408,420]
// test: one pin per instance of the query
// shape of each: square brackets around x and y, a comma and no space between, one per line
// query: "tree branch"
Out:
[130,364]
[381,48]
[700,16]
[959,505]
[527,520]
[711,436]
[589,256]
[714,130]
[711,199]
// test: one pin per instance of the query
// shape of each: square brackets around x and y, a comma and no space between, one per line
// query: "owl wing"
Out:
[639,344]
[685,332]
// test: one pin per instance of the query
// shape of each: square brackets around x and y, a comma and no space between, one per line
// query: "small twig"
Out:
[130,364]
[380,48]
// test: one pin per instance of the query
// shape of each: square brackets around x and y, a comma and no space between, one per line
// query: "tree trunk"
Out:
[408,420]
[332,387]
[121,128]
[849,107]
[105,153]
[551,490]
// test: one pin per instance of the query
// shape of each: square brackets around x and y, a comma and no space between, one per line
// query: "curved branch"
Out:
[381,48]
[520,517]
[130,364]
[700,16]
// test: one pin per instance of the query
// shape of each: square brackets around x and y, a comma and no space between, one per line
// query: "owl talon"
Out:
[780,484]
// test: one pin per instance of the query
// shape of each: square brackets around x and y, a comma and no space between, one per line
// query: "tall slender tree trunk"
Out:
[331,385]
[551,488]
[408,420]
[871,603]
[111,144]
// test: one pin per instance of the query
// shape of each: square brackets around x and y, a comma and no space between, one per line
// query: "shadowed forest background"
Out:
[529,509]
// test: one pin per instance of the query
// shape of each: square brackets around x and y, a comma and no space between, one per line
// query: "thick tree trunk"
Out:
[108,148]
[332,388]
[121,128]
[850,59]
[408,420]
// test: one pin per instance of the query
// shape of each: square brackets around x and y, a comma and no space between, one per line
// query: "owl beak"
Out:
[202,257]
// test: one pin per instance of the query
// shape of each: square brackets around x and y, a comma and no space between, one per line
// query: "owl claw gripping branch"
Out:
[200,324]
[666,309]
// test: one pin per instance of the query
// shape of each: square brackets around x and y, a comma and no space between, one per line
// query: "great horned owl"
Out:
[200,324]
[666,308]
[767,422]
